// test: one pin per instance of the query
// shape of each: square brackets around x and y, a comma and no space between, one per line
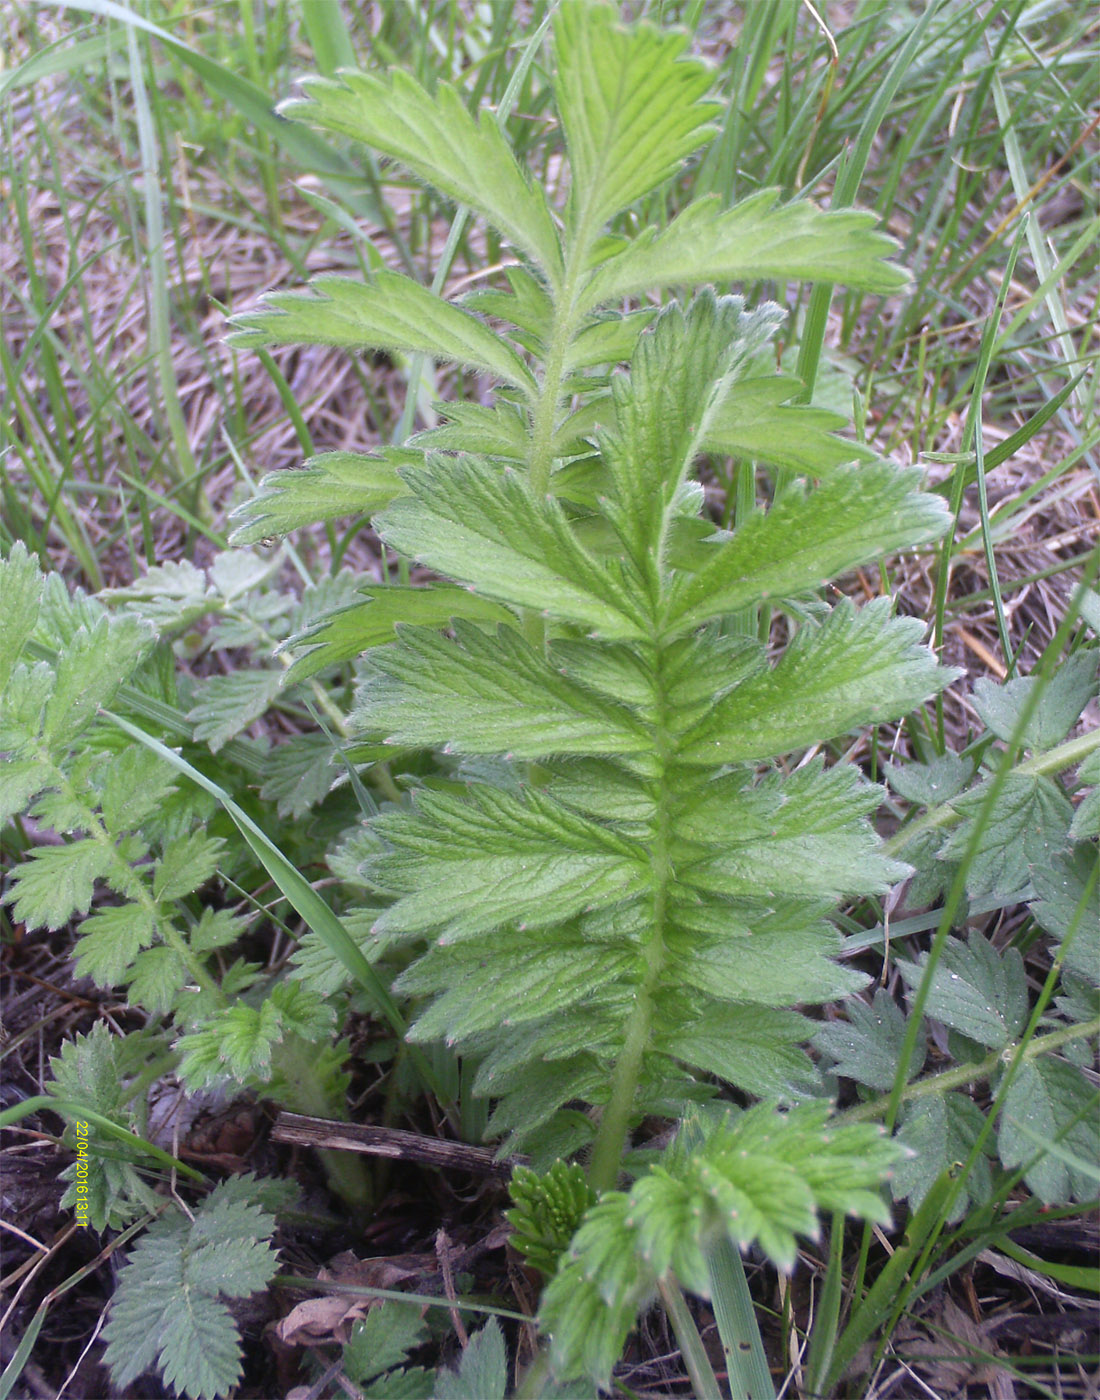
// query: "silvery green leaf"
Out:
[753,240]
[21,586]
[856,668]
[348,631]
[484,694]
[390,312]
[756,420]
[630,104]
[681,369]
[806,538]
[327,487]
[466,866]
[755,1048]
[481,524]
[806,834]
[435,136]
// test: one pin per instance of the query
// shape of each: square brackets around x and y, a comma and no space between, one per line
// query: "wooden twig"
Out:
[390,1142]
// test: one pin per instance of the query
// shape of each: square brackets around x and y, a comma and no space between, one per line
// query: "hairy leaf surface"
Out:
[390,312]
[435,136]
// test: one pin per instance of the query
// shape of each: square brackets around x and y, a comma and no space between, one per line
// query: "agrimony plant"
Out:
[620,893]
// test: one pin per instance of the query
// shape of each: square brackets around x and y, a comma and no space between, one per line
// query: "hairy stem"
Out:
[615,1123]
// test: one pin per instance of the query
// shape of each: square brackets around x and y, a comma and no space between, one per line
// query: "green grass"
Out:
[148,190]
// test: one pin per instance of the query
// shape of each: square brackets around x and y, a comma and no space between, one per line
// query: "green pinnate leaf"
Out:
[482,1373]
[753,240]
[327,487]
[587,1317]
[167,1311]
[855,668]
[1025,827]
[156,979]
[532,976]
[302,1011]
[631,105]
[1068,907]
[976,990]
[21,587]
[92,1071]
[382,1340]
[89,671]
[1060,704]
[940,1132]
[390,312]
[228,704]
[237,1044]
[807,834]
[1051,1105]
[110,940]
[187,863]
[867,1046]
[299,774]
[489,430]
[757,1177]
[216,928]
[929,784]
[1086,819]
[172,596]
[20,781]
[56,882]
[435,137]
[135,784]
[319,967]
[787,958]
[23,702]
